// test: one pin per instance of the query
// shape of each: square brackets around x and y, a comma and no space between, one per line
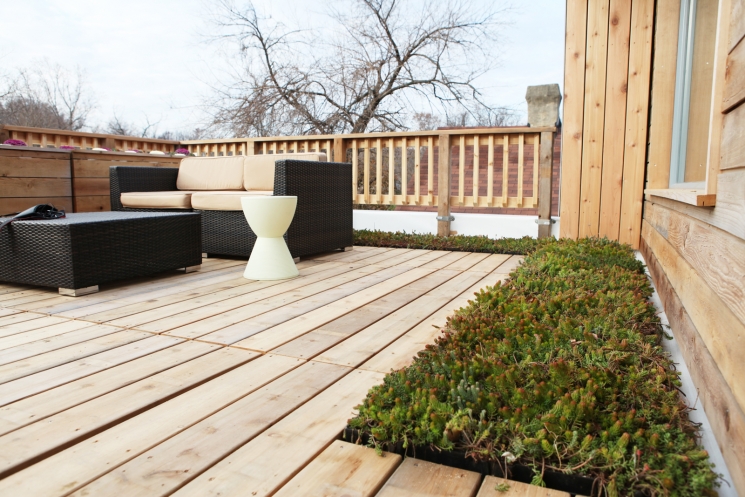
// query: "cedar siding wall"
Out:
[606,101]
[696,255]
[76,181]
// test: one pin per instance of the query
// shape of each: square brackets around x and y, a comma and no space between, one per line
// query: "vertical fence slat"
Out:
[404,171]
[417,171]
[505,168]
[328,151]
[391,170]
[475,193]
[378,172]
[354,170]
[443,185]
[490,173]
[461,170]
[430,170]
[520,168]
[536,153]
[366,171]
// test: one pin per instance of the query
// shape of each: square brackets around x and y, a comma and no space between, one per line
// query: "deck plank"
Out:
[41,333]
[130,288]
[183,313]
[362,346]
[23,292]
[266,463]
[353,256]
[343,470]
[490,263]
[97,375]
[8,312]
[29,323]
[415,477]
[108,311]
[36,440]
[108,299]
[80,464]
[405,308]
[446,260]
[8,324]
[469,261]
[38,347]
[31,365]
[285,324]
[515,489]
[173,463]
[400,352]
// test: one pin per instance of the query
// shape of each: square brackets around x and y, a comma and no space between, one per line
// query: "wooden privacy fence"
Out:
[76,181]
[48,138]
[485,167]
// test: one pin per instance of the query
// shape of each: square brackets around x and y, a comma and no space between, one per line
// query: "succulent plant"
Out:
[561,368]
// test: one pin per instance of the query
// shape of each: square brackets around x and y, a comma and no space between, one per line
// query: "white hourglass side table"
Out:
[269,218]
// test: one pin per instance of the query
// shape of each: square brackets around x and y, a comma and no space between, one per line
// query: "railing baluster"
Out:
[354,170]
[461,170]
[536,162]
[490,173]
[430,170]
[328,151]
[417,171]
[391,171]
[366,172]
[404,171]
[476,145]
[520,168]
[505,168]
[378,172]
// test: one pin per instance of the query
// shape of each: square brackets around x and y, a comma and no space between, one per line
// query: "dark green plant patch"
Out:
[456,243]
[559,368]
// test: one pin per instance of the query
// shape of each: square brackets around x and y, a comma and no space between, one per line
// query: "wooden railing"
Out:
[43,137]
[485,167]
[507,168]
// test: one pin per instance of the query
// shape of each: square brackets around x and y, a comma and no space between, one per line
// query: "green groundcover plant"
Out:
[519,246]
[559,368]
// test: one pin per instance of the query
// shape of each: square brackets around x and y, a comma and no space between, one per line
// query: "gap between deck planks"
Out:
[123,413]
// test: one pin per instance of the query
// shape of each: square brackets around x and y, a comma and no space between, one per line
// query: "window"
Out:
[693,92]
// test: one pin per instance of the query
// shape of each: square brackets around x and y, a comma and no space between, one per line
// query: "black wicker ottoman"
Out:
[81,251]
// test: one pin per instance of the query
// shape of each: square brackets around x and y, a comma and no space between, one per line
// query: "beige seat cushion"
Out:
[258,171]
[157,200]
[222,201]
[211,173]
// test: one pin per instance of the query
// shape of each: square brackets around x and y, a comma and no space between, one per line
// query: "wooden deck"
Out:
[210,384]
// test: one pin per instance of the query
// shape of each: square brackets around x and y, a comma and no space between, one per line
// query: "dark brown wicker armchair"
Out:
[322,222]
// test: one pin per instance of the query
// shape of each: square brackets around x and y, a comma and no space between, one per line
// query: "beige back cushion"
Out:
[258,172]
[211,173]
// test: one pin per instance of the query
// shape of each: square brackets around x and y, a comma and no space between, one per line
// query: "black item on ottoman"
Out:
[81,251]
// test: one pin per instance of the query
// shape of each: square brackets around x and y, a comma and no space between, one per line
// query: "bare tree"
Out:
[48,95]
[362,75]
[426,120]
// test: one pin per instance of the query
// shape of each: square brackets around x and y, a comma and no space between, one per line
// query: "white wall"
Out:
[491,225]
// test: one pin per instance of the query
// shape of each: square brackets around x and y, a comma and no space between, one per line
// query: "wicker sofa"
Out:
[213,187]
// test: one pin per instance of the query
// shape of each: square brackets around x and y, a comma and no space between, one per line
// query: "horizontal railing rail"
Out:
[44,137]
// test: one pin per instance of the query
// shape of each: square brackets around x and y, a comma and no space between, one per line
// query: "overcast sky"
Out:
[149,58]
